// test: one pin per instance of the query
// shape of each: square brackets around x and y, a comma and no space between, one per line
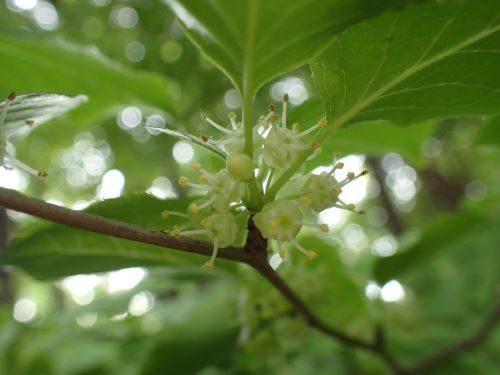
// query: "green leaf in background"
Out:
[253,41]
[376,139]
[489,133]
[436,236]
[56,66]
[339,296]
[429,61]
[54,250]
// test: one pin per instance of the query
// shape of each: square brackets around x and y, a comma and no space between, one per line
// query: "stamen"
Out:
[29,123]
[166,214]
[214,124]
[283,116]
[195,232]
[232,118]
[8,100]
[306,199]
[263,121]
[310,254]
[338,165]
[322,227]
[183,181]
[19,164]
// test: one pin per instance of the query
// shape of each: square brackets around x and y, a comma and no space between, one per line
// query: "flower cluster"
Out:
[7,160]
[276,146]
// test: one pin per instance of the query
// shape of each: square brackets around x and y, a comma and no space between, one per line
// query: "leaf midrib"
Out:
[360,105]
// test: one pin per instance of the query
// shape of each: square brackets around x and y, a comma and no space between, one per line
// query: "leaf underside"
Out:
[429,61]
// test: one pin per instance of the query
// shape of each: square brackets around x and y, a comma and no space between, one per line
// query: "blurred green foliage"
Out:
[427,285]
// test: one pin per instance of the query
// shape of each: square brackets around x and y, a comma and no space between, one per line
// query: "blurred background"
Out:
[422,262]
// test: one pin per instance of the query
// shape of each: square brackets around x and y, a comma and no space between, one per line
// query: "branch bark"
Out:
[254,254]
[13,200]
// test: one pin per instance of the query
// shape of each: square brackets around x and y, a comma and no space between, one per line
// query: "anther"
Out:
[42,174]
[196,167]
[282,253]
[29,123]
[306,199]
[324,228]
[311,255]
[183,181]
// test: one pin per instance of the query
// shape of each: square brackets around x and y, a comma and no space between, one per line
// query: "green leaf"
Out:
[329,286]
[429,61]
[376,139]
[38,108]
[435,237]
[253,41]
[54,250]
[489,133]
[48,65]
[201,335]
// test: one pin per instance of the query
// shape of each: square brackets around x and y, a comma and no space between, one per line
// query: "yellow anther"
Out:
[311,255]
[42,174]
[324,228]
[317,150]
[203,115]
[266,125]
[232,115]
[272,108]
[350,206]
[282,253]
[183,180]
[339,165]
[196,167]
[323,122]
[295,127]
[208,264]
[29,123]
[351,175]
[286,97]
[204,138]
[193,208]
[204,178]
[306,199]
[165,214]
[337,189]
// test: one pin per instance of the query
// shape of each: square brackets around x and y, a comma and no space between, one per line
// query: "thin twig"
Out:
[13,200]
[393,220]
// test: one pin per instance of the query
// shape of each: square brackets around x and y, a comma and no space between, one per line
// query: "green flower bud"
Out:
[240,166]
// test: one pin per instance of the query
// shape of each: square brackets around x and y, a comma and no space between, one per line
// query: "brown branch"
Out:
[254,254]
[393,220]
[470,342]
[13,200]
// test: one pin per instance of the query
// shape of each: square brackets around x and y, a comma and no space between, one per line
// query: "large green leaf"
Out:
[56,66]
[489,133]
[429,61]
[253,41]
[54,250]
